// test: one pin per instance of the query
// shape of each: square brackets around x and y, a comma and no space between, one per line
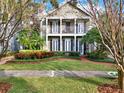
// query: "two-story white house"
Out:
[64,27]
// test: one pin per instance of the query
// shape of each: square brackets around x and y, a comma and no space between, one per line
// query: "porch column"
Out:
[47,33]
[60,25]
[74,43]
[75,34]
[61,34]
[61,43]
[75,22]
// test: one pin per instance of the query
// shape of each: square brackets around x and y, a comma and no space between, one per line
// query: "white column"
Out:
[75,33]
[61,34]
[60,25]
[61,43]
[74,43]
[47,34]
[75,25]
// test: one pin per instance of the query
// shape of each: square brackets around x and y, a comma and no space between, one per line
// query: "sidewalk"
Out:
[65,73]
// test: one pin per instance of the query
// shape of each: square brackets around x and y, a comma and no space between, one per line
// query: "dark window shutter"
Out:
[50,27]
[51,44]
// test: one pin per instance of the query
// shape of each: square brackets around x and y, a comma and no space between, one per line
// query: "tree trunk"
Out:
[121,79]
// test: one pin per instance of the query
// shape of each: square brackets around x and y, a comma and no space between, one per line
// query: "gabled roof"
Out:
[62,5]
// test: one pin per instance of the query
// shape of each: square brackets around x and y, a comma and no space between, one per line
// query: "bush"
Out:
[38,54]
[59,53]
[97,55]
[67,53]
[74,54]
[29,51]
[33,55]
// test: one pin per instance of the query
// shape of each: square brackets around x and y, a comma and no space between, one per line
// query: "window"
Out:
[55,44]
[80,47]
[55,27]
[67,26]
[80,27]
[67,44]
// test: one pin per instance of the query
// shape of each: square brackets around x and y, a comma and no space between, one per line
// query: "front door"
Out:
[67,44]
[55,45]
[80,47]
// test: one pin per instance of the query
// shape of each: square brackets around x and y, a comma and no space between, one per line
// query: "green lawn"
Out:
[55,85]
[58,65]
[106,60]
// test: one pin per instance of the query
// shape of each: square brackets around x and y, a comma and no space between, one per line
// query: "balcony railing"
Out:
[67,30]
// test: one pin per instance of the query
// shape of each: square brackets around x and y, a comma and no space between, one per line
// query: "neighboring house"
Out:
[64,27]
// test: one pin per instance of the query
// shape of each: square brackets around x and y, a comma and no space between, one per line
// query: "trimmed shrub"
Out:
[33,55]
[74,54]
[59,53]
[97,55]
[67,53]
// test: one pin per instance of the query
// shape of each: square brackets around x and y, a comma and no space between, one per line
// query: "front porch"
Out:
[67,44]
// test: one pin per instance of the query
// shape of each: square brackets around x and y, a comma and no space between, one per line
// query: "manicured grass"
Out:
[107,60]
[58,65]
[55,85]
[44,59]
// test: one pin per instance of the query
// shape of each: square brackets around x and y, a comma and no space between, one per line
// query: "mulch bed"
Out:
[5,87]
[109,88]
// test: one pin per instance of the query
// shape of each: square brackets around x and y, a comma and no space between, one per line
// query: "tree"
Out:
[11,12]
[53,2]
[110,27]
[92,37]
[30,39]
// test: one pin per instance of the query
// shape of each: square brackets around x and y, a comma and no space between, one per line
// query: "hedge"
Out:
[36,54]
[71,53]
[33,55]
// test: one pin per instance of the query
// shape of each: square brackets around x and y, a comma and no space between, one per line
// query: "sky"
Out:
[49,6]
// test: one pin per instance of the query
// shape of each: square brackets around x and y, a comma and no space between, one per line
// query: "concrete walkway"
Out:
[5,59]
[65,73]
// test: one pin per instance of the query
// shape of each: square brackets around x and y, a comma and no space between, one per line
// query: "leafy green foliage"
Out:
[92,36]
[33,55]
[54,3]
[30,39]
[67,53]
[97,55]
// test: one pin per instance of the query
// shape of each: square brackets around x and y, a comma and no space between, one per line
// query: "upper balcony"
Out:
[66,26]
